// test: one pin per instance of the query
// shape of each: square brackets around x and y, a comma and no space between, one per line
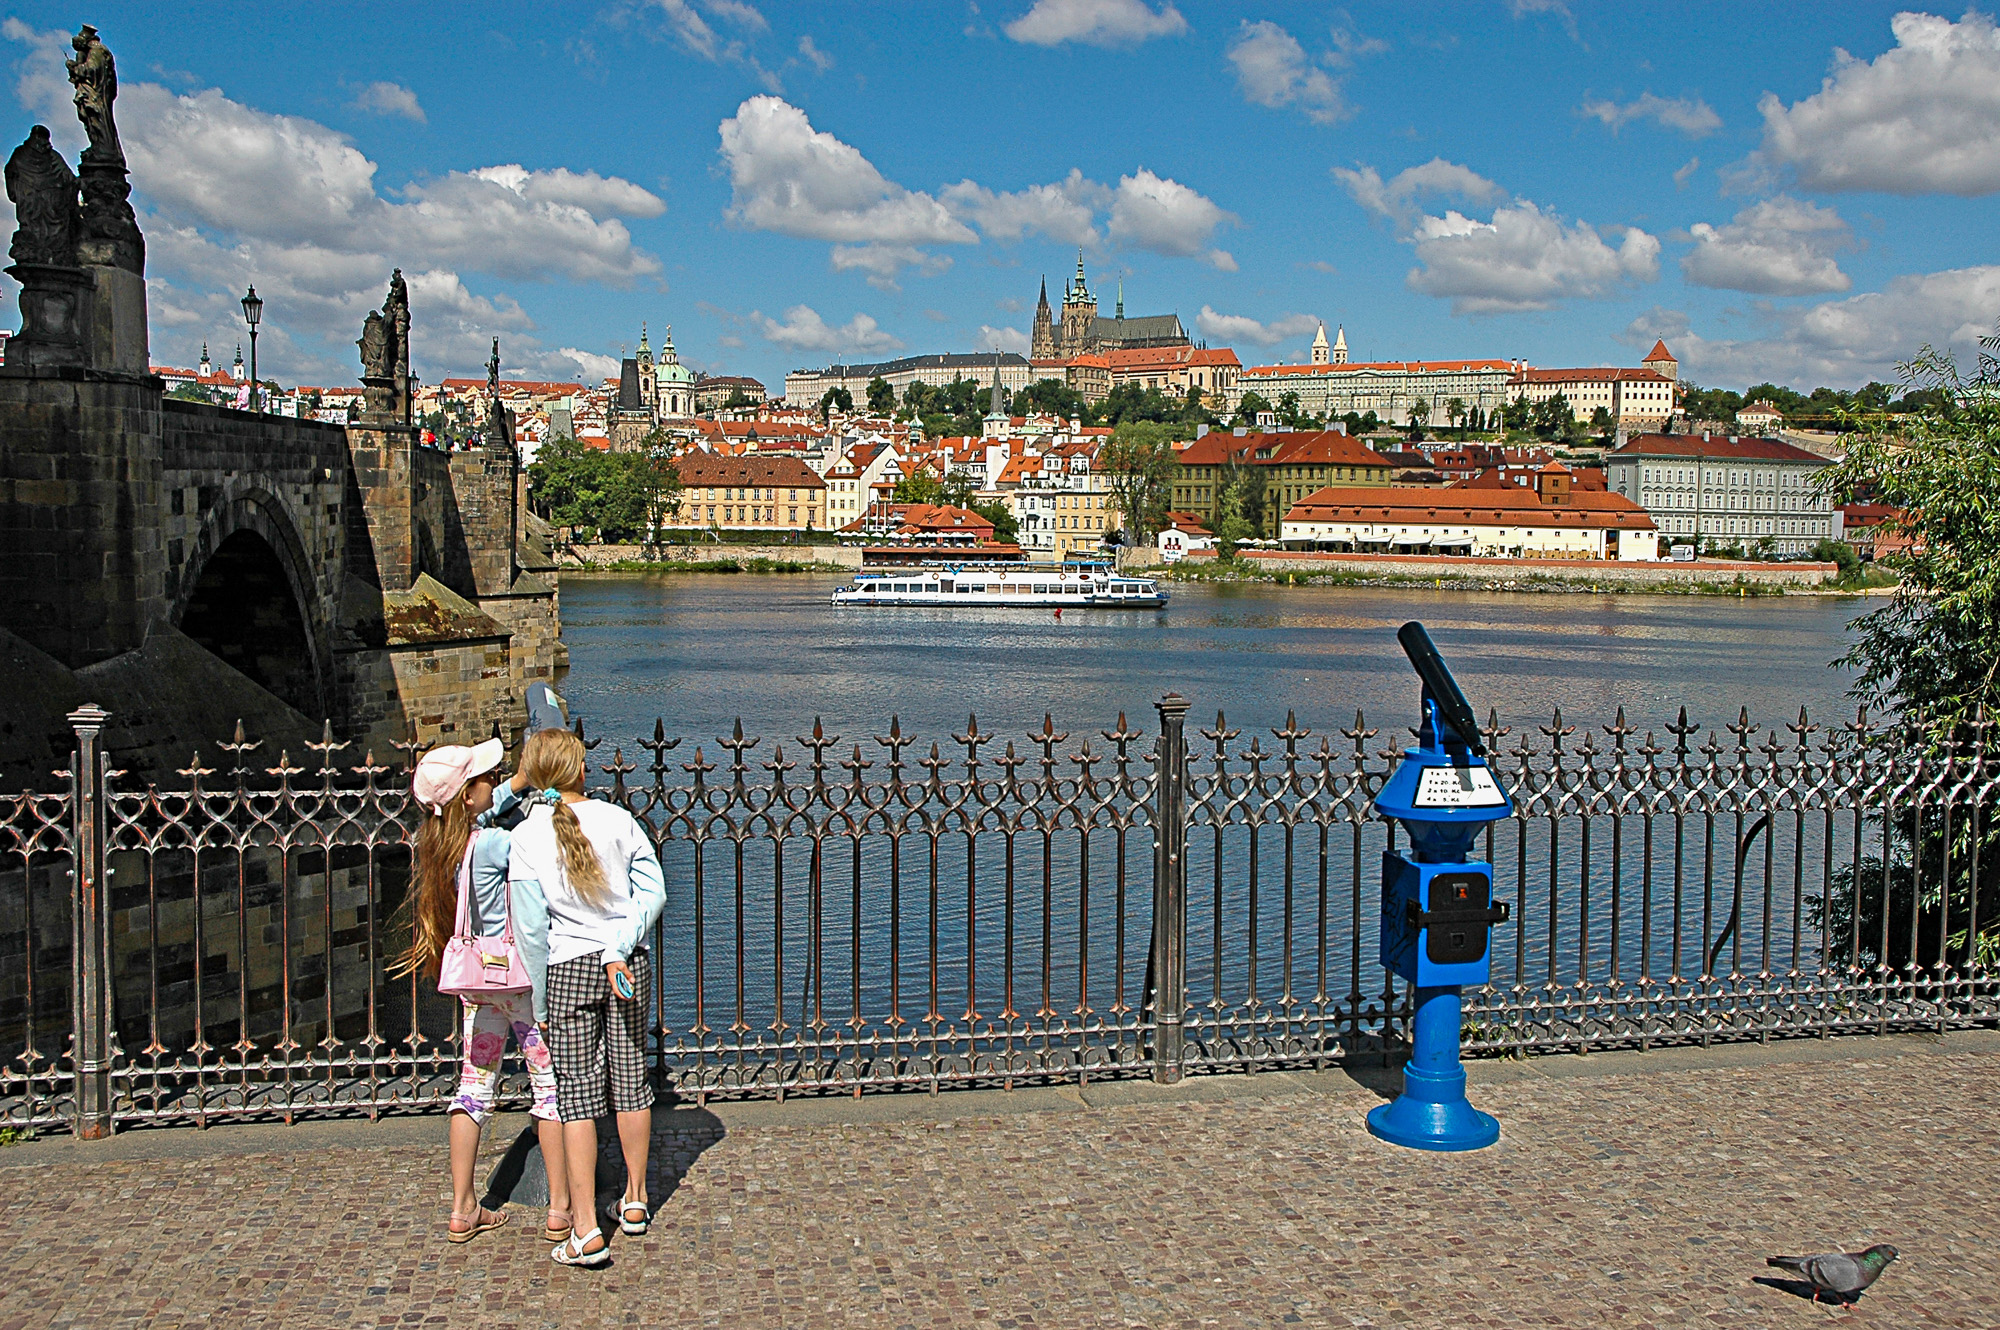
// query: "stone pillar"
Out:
[82,565]
[381,536]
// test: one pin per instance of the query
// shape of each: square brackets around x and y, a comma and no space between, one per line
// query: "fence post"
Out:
[90,936]
[1169,959]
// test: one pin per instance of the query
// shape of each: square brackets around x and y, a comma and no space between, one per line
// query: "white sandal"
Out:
[645,1217]
[572,1251]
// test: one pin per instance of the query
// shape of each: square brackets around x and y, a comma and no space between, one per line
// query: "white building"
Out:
[809,385]
[1485,516]
[1388,388]
[1714,490]
[1634,399]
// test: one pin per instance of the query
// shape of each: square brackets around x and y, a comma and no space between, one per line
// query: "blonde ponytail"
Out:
[553,760]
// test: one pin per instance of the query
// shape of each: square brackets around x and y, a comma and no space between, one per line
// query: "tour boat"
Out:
[1022,586]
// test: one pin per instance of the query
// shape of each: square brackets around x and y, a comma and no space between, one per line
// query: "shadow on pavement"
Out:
[681,1133]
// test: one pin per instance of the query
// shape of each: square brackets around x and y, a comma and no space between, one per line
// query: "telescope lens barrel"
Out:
[1452,707]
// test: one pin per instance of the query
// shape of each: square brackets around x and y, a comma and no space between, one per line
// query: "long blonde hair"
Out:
[553,760]
[433,902]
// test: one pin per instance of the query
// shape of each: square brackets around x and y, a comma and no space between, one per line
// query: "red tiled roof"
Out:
[1594,374]
[1660,352]
[1294,447]
[1717,448]
[709,470]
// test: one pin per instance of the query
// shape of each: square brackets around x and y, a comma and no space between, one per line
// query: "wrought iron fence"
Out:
[848,913]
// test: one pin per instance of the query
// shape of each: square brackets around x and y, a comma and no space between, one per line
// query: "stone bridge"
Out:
[186,566]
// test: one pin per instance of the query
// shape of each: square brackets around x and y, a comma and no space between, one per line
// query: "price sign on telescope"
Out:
[1457,787]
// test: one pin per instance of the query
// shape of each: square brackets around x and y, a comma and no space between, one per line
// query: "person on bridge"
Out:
[595,865]
[463,890]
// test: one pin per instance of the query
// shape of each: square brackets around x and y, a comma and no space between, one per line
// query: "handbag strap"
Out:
[463,927]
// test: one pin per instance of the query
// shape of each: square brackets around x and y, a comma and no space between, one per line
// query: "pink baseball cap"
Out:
[442,772]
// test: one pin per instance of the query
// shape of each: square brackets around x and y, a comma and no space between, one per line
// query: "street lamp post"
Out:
[253,314]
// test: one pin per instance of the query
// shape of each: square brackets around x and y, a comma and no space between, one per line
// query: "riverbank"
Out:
[708,558]
[1705,577]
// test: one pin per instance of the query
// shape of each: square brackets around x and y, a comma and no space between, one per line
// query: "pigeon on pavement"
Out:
[1842,1274]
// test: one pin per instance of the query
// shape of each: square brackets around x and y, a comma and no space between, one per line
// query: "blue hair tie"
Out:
[552,796]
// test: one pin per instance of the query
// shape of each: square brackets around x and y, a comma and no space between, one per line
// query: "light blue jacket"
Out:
[491,852]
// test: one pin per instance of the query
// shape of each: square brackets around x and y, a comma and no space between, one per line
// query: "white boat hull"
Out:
[1009,588]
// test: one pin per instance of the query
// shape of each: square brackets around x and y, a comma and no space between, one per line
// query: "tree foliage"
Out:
[881,397]
[614,496]
[1139,463]
[1934,650]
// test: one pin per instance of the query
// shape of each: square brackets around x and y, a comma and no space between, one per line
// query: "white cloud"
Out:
[787,177]
[882,263]
[1780,247]
[1154,213]
[1395,200]
[812,55]
[389,99]
[1230,329]
[596,368]
[1690,115]
[990,338]
[685,23]
[230,195]
[1064,211]
[1272,69]
[1923,118]
[1558,8]
[804,330]
[1840,343]
[1524,259]
[1686,172]
[1095,22]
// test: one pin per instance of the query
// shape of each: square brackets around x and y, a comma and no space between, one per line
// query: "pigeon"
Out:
[1842,1274]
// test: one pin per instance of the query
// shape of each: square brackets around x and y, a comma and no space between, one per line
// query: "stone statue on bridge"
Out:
[385,355]
[95,75]
[43,191]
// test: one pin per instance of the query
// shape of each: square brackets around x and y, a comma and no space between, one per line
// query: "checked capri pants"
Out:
[598,1039]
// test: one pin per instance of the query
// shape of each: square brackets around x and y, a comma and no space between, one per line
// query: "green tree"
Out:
[1931,656]
[1056,398]
[1454,411]
[737,399]
[1139,463]
[881,397]
[1248,406]
[1290,415]
[1601,423]
[835,399]
[1005,528]
[920,486]
[616,496]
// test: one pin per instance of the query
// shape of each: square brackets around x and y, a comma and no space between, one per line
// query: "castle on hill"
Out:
[1084,332]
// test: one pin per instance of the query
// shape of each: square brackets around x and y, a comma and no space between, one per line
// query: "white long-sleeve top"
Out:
[635,887]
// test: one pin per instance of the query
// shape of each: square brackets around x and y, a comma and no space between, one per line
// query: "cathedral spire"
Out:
[645,351]
[1082,288]
[1121,299]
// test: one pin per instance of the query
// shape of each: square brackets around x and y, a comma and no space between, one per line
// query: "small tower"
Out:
[1340,344]
[236,371]
[996,423]
[1319,352]
[1121,300]
[1661,361]
[649,382]
[1042,346]
[207,367]
[1079,317]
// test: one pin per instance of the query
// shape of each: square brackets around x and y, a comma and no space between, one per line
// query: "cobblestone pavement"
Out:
[1645,1199]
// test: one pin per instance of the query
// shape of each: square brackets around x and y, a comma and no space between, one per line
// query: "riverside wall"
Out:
[598,556]
[1604,572]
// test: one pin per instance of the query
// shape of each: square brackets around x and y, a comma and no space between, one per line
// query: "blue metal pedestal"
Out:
[1433,1113]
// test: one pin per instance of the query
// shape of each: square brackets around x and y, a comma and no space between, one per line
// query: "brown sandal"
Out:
[485,1221]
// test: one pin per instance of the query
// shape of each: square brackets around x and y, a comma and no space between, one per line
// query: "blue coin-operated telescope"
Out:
[1437,905]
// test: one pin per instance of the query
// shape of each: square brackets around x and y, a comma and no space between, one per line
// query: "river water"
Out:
[700,650]
[908,916]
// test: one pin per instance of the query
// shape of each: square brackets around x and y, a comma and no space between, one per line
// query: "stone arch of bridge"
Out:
[248,595]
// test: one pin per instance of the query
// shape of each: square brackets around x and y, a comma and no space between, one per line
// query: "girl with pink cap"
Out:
[462,891]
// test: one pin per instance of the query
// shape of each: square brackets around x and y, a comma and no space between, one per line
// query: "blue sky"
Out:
[1802,193]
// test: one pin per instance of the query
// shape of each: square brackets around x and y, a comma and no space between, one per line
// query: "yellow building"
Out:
[750,493]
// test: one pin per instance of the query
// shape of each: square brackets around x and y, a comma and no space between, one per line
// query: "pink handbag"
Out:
[480,967]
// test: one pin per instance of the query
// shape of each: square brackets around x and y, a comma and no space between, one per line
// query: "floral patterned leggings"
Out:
[487,1023]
